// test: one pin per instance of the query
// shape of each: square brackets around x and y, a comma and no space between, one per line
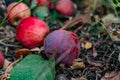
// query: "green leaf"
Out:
[41,12]
[34,67]
[96,29]
[33,4]
[27,1]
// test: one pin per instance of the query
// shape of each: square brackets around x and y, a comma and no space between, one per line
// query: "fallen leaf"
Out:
[6,64]
[94,52]
[41,12]
[6,74]
[34,67]
[23,52]
[37,49]
[88,45]
[109,19]
[81,78]
[78,64]
[111,76]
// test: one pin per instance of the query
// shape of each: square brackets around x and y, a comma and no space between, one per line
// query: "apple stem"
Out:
[3,21]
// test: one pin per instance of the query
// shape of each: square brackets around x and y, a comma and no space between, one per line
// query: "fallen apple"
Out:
[63,45]
[17,12]
[1,60]
[65,7]
[31,32]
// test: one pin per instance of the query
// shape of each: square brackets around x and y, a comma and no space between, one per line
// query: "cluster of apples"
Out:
[32,32]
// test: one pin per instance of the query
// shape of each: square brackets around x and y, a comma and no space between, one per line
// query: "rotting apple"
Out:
[1,60]
[63,45]
[17,12]
[31,32]
[65,7]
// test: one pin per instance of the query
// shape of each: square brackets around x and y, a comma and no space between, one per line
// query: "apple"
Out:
[63,45]
[42,2]
[39,2]
[18,12]
[65,7]
[31,32]
[1,59]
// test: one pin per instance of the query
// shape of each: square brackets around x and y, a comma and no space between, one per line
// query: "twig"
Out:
[9,45]
[110,56]
[93,63]
[78,29]
[68,23]
[12,64]
[75,21]
[6,74]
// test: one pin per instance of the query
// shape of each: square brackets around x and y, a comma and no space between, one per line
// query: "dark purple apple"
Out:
[63,45]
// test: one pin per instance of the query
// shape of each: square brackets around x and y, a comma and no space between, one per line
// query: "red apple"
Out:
[65,7]
[47,3]
[31,32]
[63,45]
[42,2]
[1,60]
[18,12]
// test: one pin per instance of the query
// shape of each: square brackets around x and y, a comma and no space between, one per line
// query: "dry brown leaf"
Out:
[78,64]
[111,76]
[23,52]
[6,74]
[81,78]
[37,49]
[6,64]
[74,79]
[94,52]
[88,45]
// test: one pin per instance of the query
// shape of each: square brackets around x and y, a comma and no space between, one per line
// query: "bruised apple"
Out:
[31,32]
[1,60]
[65,7]
[63,45]
[17,12]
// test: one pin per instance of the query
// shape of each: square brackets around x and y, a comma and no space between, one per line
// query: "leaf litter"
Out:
[99,60]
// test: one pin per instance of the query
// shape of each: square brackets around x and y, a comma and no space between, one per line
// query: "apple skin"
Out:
[31,32]
[65,7]
[63,45]
[42,2]
[1,60]
[18,13]
[46,3]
